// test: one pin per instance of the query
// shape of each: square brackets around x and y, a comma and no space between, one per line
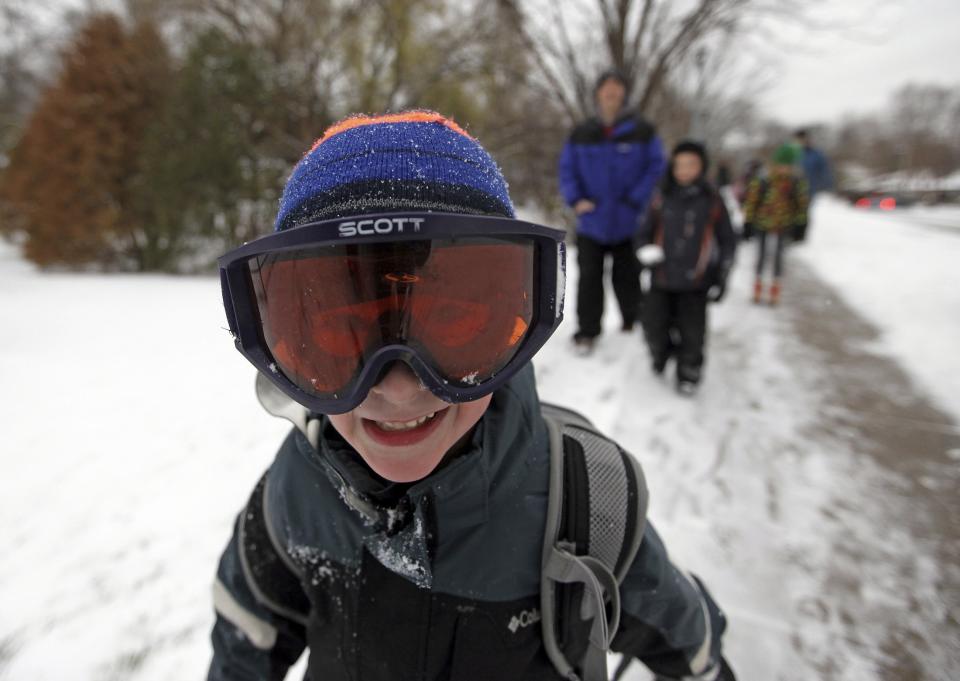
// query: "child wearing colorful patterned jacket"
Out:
[775,207]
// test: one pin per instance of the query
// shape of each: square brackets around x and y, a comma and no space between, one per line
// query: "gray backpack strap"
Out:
[596,513]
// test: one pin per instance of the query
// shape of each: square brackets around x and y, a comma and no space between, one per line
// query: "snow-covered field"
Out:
[903,274]
[131,437]
[945,215]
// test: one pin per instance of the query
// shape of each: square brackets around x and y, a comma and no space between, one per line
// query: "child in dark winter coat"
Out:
[400,532]
[775,207]
[690,245]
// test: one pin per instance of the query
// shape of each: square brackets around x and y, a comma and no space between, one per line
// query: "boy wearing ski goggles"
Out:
[392,317]
[336,312]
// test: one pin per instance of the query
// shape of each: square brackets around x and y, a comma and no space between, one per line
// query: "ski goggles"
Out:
[323,310]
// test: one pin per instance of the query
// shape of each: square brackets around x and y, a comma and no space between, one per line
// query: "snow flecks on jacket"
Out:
[405,553]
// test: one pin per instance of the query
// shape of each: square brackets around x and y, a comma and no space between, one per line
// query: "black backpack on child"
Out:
[595,521]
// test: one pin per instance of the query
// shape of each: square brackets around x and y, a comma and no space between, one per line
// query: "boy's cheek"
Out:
[469,414]
[342,424]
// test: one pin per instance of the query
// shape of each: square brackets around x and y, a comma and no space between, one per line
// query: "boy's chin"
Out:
[403,468]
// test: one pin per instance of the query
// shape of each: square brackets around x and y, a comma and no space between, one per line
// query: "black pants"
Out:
[591,255]
[675,323]
[778,240]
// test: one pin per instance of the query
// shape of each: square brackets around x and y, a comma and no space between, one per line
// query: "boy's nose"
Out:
[400,384]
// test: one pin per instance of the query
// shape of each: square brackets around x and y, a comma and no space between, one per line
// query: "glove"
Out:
[726,674]
[718,289]
[716,292]
[723,674]
[748,231]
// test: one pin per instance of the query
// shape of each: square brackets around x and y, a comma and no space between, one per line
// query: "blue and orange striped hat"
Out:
[415,160]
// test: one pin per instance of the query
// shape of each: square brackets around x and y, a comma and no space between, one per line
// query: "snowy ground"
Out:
[132,437]
[903,273]
[944,215]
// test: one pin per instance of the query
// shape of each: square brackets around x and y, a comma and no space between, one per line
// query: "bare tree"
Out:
[925,121]
[646,40]
[297,38]
[22,64]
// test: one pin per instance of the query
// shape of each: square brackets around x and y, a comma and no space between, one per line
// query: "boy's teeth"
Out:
[405,425]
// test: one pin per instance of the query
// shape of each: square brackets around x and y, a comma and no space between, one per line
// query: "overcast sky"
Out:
[854,69]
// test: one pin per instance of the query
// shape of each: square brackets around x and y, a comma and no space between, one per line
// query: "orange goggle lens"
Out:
[463,305]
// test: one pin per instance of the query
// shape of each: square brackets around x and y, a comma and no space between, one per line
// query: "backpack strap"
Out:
[270,574]
[596,513]
[706,242]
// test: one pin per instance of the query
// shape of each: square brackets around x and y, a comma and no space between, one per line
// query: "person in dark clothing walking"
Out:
[817,173]
[690,244]
[400,532]
[609,168]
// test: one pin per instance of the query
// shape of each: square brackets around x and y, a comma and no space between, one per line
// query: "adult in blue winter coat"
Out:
[608,170]
[816,170]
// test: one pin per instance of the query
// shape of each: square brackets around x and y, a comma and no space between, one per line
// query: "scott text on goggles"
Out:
[378,226]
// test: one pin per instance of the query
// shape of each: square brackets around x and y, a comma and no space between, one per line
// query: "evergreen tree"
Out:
[209,182]
[73,175]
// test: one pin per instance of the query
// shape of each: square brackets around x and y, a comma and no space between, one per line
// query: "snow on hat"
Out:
[785,154]
[415,160]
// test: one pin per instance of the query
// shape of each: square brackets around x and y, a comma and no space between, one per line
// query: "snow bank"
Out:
[902,274]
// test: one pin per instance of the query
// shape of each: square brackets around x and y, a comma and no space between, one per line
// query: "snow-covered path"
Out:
[132,437]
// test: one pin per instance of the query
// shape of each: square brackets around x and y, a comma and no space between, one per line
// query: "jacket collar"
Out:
[624,124]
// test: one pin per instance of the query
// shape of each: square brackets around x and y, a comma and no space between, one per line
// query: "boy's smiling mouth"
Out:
[404,425]
[404,433]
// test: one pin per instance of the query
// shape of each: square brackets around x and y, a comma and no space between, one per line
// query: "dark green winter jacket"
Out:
[431,581]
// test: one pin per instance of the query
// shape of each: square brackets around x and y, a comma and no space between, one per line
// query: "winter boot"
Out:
[583,344]
[687,379]
[757,290]
[775,292]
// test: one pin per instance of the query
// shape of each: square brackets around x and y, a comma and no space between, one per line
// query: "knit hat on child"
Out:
[411,161]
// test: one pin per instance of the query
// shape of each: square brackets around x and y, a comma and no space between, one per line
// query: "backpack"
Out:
[596,514]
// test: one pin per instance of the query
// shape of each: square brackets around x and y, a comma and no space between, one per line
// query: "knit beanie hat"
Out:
[692,147]
[415,160]
[785,154]
[611,74]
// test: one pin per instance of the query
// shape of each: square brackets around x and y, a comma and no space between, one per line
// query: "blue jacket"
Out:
[816,168]
[618,173]
[438,580]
